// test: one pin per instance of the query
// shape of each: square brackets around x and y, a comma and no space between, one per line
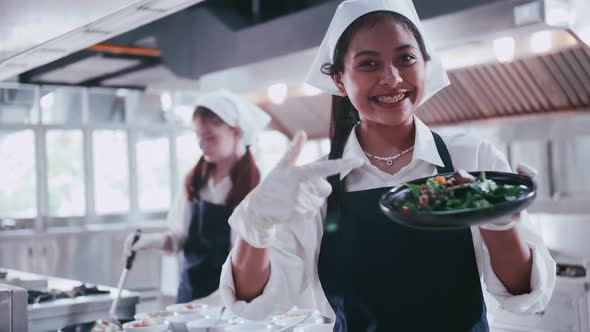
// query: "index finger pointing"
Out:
[326,168]
[290,157]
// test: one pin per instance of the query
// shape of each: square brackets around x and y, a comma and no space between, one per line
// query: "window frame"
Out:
[134,216]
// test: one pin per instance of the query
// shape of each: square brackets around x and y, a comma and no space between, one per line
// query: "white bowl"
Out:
[250,327]
[178,323]
[187,308]
[128,327]
[314,328]
[207,325]
[294,316]
[157,316]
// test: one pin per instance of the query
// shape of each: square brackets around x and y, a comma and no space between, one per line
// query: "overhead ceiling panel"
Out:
[35,33]
[87,69]
[161,78]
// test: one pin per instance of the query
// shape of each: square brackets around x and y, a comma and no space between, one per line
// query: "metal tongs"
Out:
[113,311]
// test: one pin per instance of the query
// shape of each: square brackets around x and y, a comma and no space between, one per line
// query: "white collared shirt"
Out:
[294,255]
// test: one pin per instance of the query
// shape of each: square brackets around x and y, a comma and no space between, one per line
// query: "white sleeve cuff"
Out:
[542,284]
[286,283]
[250,228]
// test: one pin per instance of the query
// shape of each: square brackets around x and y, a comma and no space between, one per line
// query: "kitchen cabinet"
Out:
[91,256]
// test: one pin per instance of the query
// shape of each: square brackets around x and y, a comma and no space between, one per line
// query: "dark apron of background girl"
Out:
[205,250]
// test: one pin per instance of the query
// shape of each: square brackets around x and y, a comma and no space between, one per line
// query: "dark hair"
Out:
[344,114]
[204,112]
[245,174]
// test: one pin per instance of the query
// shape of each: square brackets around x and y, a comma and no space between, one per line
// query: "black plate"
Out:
[460,218]
[86,327]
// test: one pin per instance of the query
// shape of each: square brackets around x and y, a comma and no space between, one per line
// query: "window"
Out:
[153,169]
[17,105]
[533,153]
[18,190]
[65,173]
[111,184]
[271,147]
[148,109]
[61,105]
[107,106]
[578,157]
[187,154]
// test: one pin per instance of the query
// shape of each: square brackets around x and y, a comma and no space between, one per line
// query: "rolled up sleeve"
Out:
[542,274]
[543,266]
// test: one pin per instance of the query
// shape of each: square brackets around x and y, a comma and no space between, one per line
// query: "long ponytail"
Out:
[245,175]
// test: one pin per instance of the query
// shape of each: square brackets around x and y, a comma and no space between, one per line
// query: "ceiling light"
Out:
[504,49]
[277,93]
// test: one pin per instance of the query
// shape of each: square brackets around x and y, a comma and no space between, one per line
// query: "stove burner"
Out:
[35,296]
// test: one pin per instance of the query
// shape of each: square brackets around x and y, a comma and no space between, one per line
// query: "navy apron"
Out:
[205,250]
[380,276]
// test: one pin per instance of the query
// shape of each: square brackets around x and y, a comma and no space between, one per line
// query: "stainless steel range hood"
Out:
[505,58]
[512,58]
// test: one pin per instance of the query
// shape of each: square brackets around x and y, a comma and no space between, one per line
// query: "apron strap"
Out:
[444,155]
[334,210]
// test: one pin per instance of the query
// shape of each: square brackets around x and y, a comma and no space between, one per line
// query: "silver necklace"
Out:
[389,160]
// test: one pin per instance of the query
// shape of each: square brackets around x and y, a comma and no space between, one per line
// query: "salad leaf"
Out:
[414,188]
[457,192]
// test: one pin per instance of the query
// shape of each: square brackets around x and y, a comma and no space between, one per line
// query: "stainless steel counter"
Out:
[50,316]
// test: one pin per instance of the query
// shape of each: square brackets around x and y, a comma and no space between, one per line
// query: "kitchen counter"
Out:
[52,315]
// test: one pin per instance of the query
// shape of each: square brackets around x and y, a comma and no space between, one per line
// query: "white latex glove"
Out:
[287,194]
[503,225]
[146,241]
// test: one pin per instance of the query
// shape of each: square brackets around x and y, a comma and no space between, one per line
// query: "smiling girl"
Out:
[342,255]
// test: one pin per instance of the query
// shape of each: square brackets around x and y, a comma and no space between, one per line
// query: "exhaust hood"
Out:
[35,34]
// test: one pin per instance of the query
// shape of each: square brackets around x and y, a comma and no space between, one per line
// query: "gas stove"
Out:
[36,296]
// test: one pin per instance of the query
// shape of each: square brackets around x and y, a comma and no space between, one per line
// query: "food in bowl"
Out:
[194,306]
[184,308]
[105,326]
[145,325]
[458,191]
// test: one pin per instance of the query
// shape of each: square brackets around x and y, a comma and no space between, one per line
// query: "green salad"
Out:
[458,191]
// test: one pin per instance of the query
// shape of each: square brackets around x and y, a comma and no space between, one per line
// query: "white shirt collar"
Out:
[424,147]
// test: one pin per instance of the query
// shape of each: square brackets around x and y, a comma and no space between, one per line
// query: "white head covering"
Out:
[236,112]
[346,13]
